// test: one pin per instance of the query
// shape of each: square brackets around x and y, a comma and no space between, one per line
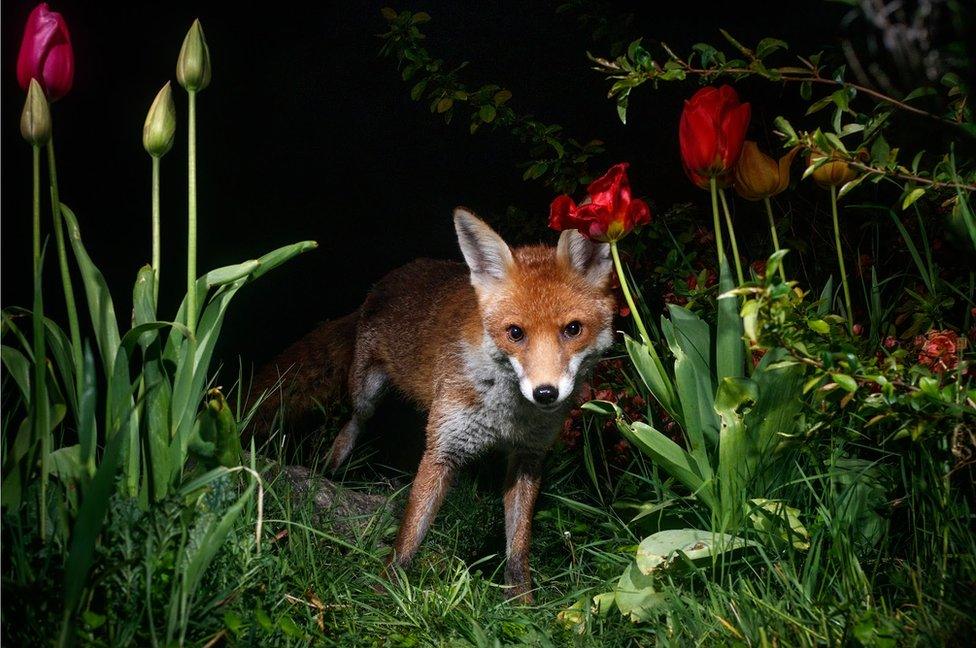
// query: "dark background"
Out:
[305,133]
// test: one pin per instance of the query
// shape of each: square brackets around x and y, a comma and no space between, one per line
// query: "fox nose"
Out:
[545,394]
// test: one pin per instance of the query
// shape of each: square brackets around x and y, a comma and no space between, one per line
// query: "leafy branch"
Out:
[561,162]
[708,62]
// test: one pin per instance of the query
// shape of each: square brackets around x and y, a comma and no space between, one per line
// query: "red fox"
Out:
[494,351]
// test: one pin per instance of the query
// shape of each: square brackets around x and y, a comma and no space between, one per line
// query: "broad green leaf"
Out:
[730,348]
[91,515]
[671,457]
[87,403]
[773,516]
[735,456]
[100,305]
[635,595]
[18,366]
[658,551]
[603,408]
[648,365]
[694,381]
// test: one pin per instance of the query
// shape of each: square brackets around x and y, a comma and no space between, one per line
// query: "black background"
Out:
[305,133]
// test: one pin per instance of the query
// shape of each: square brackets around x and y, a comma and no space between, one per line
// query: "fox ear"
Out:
[485,252]
[592,260]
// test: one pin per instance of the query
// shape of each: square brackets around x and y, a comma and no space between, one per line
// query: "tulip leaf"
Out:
[730,349]
[100,305]
[658,551]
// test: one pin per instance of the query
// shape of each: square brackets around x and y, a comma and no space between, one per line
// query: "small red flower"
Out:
[712,130]
[938,350]
[890,343]
[759,267]
[46,54]
[607,214]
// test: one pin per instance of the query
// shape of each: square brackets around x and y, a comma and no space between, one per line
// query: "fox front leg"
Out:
[426,496]
[521,489]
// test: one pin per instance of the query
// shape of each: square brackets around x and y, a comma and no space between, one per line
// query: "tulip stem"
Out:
[840,261]
[191,238]
[735,246]
[39,397]
[69,292]
[627,296]
[716,223]
[772,232]
[155,227]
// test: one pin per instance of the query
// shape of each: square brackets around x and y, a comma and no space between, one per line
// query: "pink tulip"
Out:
[46,54]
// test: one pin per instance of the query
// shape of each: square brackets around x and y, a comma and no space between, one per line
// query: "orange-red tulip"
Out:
[712,129]
[608,214]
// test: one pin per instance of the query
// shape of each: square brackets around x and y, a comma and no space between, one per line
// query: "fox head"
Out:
[549,311]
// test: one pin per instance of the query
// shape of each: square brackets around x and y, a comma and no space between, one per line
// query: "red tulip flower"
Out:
[46,54]
[608,214]
[712,130]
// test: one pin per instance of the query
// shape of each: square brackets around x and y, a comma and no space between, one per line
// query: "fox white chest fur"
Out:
[499,416]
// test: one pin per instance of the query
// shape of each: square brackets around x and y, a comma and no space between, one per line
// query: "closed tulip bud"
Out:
[834,173]
[193,66]
[160,126]
[35,121]
[46,53]
[758,176]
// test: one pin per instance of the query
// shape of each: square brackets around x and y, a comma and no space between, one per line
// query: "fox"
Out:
[494,350]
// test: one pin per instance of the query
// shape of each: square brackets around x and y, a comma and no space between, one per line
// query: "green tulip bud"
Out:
[160,126]
[193,66]
[35,121]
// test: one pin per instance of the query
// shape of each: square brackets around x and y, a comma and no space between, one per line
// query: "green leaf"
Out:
[648,365]
[691,346]
[773,516]
[845,381]
[769,45]
[818,326]
[487,113]
[444,104]
[667,454]
[89,521]
[729,349]
[501,97]
[87,403]
[603,408]
[912,196]
[18,366]
[635,595]
[100,305]
[658,551]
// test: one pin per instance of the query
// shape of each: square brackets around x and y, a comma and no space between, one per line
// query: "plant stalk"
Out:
[39,397]
[716,223]
[735,246]
[840,262]
[772,232]
[627,296]
[69,292]
[155,227]
[191,238]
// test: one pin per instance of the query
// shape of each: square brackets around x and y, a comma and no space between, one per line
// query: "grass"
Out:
[891,562]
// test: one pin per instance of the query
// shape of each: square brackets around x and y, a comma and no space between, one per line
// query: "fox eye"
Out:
[573,329]
[516,333]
